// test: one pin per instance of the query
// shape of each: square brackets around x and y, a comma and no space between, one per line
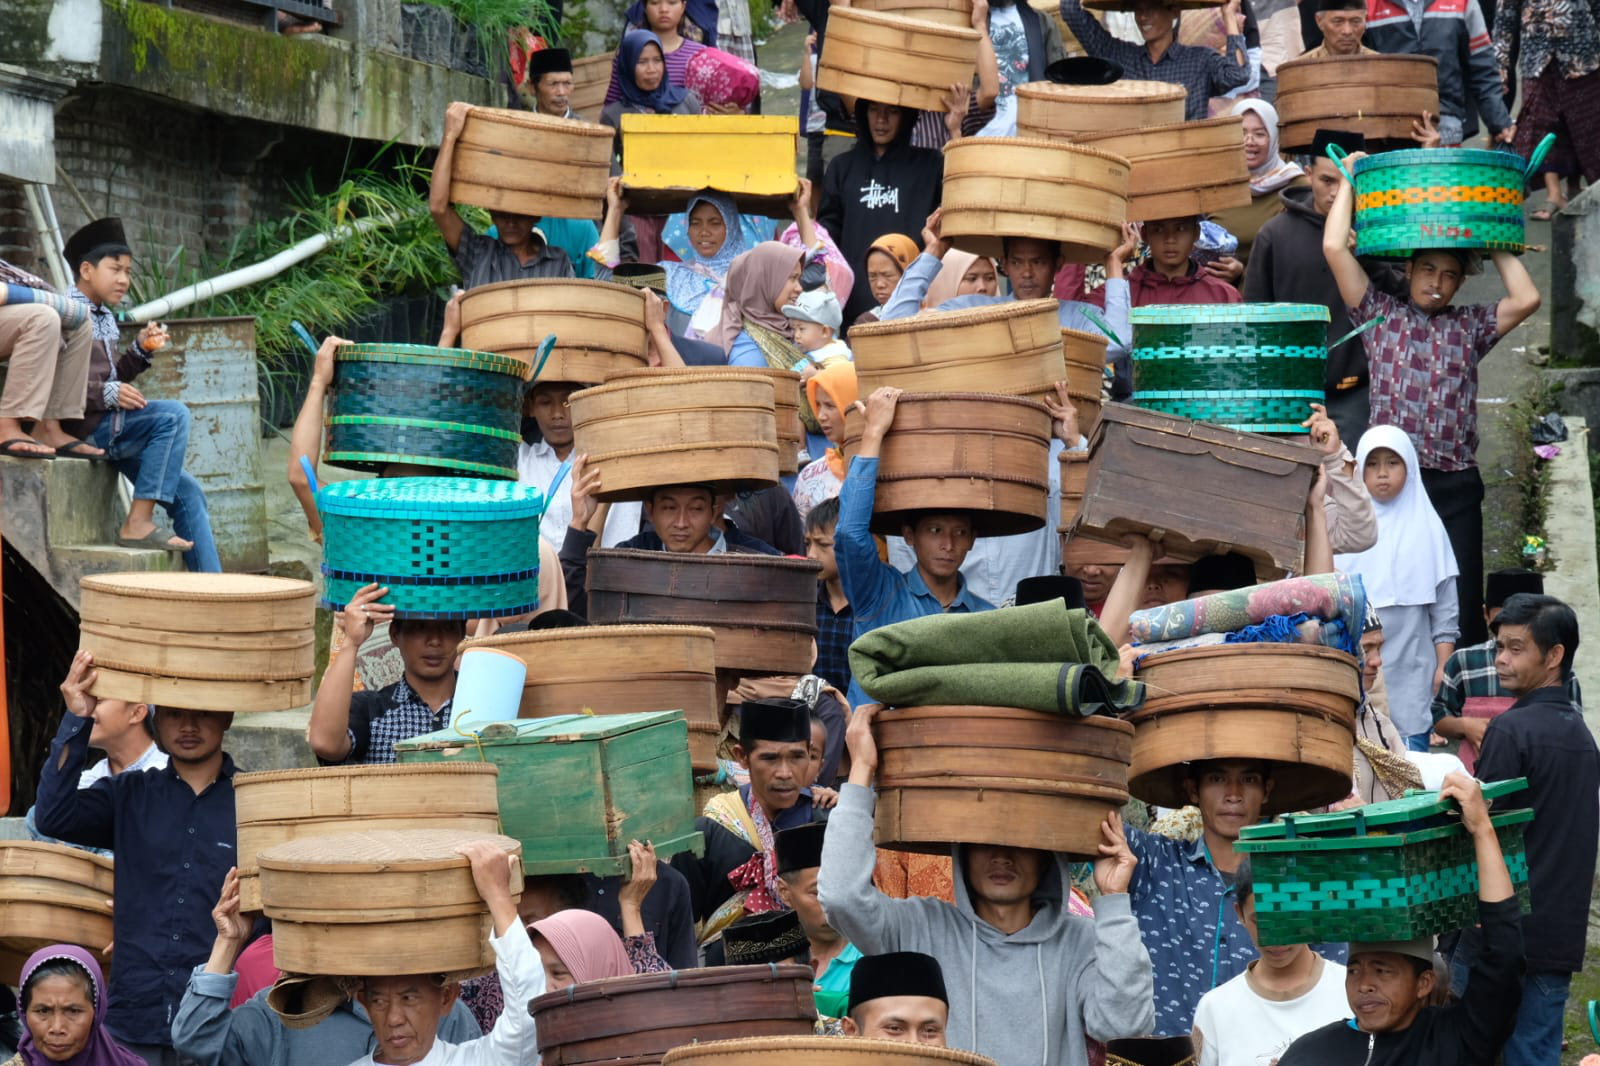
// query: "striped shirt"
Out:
[1469,674]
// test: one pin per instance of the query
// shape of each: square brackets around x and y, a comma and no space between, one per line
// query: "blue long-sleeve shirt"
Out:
[879,594]
[173,850]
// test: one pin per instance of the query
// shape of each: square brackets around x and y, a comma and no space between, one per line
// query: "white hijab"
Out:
[1274,172]
[1413,554]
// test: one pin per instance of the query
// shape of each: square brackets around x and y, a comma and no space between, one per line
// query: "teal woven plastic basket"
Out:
[1423,198]
[1254,368]
[445,547]
[1386,871]
[449,408]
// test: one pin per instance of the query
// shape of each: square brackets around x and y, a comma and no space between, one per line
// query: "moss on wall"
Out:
[27,32]
[223,57]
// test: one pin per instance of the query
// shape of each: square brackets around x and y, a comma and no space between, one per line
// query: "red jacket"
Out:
[1146,286]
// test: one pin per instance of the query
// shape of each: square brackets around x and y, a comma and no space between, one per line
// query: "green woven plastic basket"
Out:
[1387,871]
[1417,199]
[445,547]
[457,410]
[1255,368]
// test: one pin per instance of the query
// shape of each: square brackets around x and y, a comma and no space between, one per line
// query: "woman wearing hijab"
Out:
[1270,174]
[64,1012]
[887,259]
[753,330]
[684,29]
[962,274]
[646,90]
[831,390]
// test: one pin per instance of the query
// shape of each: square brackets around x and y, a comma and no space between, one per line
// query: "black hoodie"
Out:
[865,195]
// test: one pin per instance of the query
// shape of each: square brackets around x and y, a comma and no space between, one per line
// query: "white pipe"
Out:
[267,268]
[52,252]
[57,242]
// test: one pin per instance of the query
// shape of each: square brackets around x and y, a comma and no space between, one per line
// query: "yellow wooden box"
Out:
[668,158]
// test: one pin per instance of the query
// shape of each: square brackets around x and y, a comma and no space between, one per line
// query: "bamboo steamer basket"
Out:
[591,77]
[599,325]
[912,63]
[276,806]
[786,392]
[1013,349]
[1086,372]
[1087,551]
[1074,480]
[234,642]
[944,12]
[621,670]
[817,1051]
[529,164]
[978,453]
[1187,168]
[1048,110]
[380,902]
[718,429]
[1293,705]
[997,187]
[51,894]
[1378,96]
[638,1019]
[998,775]
[762,608]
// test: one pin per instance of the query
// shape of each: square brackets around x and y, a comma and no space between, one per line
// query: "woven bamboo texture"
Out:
[51,894]
[668,158]
[945,12]
[528,164]
[1013,349]
[786,399]
[639,1019]
[998,775]
[1128,5]
[895,60]
[1186,168]
[1074,479]
[599,325]
[984,455]
[644,432]
[817,1051]
[445,547]
[1378,96]
[217,603]
[378,902]
[1045,109]
[621,670]
[591,77]
[1439,198]
[1289,704]
[201,694]
[1088,551]
[1085,355]
[998,187]
[762,608]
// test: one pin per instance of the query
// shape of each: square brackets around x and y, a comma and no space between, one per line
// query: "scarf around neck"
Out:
[664,97]
[102,1049]
[754,281]
[698,276]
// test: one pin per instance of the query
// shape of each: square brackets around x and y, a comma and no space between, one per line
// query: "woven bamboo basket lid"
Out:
[530,164]
[1378,96]
[1181,169]
[817,1051]
[895,60]
[762,608]
[621,670]
[787,390]
[51,894]
[998,187]
[266,656]
[998,775]
[1012,348]
[1045,109]
[591,76]
[1288,704]
[978,453]
[185,602]
[379,902]
[599,325]
[641,433]
[945,12]
[243,696]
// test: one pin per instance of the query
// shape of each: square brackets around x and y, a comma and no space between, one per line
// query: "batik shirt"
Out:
[379,720]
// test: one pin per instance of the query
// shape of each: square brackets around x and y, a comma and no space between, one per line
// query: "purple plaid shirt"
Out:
[11,274]
[1425,374]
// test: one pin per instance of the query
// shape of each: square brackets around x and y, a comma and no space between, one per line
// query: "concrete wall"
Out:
[1575,282]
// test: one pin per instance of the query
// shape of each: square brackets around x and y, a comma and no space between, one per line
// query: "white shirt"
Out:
[152,759]
[512,1041]
[536,466]
[1006,34]
[1239,1028]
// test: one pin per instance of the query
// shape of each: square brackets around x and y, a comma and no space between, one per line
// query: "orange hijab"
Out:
[838,380]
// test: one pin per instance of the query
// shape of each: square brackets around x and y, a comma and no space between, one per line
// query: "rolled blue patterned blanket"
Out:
[74,313]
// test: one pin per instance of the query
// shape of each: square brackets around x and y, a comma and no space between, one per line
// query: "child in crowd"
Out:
[1410,577]
[831,391]
[835,622]
[817,319]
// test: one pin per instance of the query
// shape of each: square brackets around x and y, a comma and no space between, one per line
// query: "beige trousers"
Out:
[47,372]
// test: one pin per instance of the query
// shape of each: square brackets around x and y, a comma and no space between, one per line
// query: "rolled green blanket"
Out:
[1042,657]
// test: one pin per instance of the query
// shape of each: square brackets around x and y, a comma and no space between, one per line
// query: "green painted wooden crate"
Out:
[1387,871]
[576,788]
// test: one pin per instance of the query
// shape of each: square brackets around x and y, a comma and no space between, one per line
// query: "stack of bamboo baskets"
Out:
[598,325]
[51,894]
[523,163]
[894,59]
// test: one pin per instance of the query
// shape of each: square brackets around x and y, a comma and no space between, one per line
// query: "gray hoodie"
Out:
[1027,998]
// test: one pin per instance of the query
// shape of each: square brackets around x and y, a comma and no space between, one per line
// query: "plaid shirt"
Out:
[378,720]
[835,631]
[11,274]
[1424,372]
[1469,674]
[1201,71]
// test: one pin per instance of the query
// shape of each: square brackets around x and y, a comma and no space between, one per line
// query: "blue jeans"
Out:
[1536,1038]
[147,447]
[1417,741]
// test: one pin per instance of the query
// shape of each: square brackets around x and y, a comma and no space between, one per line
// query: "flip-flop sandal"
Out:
[158,538]
[75,450]
[1542,214]
[10,448]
